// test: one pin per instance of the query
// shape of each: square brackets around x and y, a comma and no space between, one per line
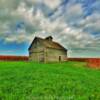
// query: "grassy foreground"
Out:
[56,81]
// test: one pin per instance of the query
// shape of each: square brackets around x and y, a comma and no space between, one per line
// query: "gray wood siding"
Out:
[37,57]
[36,53]
[55,55]
[37,47]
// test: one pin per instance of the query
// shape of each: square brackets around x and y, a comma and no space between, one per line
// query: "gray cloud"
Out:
[66,25]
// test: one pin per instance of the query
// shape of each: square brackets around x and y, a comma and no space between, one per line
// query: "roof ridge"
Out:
[50,44]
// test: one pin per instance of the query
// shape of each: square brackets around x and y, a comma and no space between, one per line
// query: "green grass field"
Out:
[56,81]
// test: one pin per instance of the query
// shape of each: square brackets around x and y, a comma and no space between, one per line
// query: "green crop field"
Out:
[52,81]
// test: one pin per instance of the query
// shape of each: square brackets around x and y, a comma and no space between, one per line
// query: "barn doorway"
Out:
[41,57]
[59,58]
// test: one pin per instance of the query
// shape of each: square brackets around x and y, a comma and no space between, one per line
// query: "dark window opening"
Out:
[59,58]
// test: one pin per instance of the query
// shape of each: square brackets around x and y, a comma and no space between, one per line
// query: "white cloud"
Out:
[74,9]
[61,31]
[19,38]
[70,13]
[92,20]
[52,3]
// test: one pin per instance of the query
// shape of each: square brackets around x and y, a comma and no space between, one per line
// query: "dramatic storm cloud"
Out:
[73,23]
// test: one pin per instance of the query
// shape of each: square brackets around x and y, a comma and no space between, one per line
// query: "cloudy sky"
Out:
[73,23]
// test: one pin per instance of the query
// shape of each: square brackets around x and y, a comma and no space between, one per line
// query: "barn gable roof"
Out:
[48,43]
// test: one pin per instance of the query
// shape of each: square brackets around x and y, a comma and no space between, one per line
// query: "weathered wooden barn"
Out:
[46,50]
